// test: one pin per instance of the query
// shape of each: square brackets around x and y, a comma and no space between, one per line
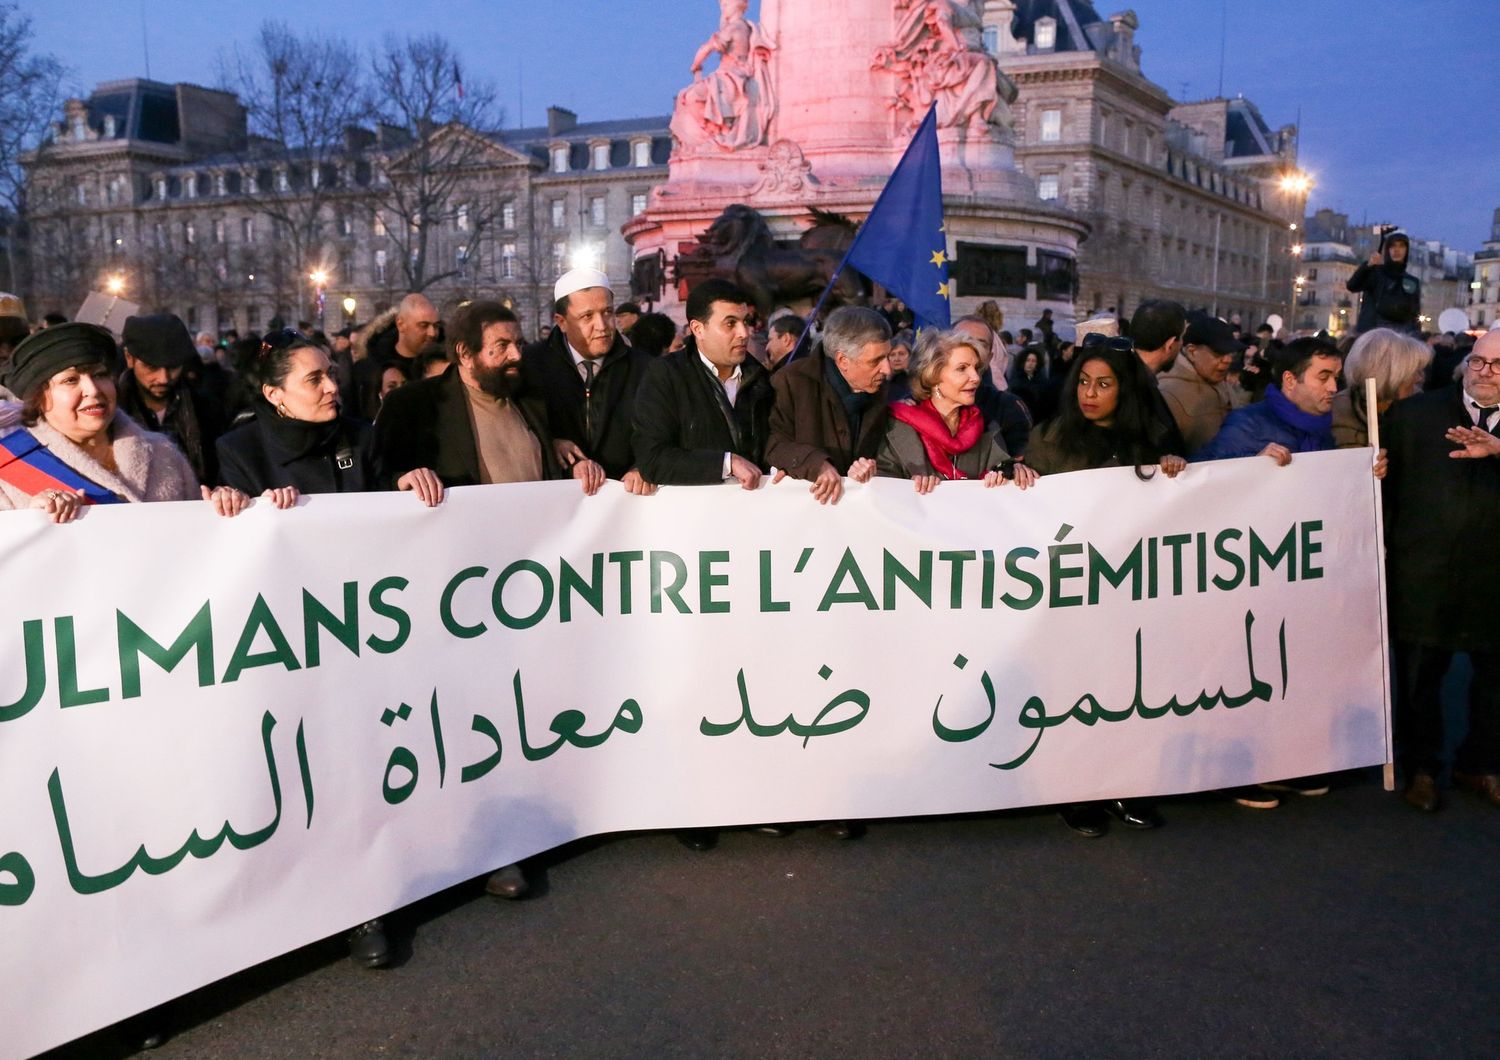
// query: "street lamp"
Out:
[115,284]
[319,278]
[1296,249]
[349,306]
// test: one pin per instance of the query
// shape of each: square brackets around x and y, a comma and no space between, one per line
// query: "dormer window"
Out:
[641,153]
[220,184]
[192,186]
[560,159]
[109,126]
[601,156]
[1045,37]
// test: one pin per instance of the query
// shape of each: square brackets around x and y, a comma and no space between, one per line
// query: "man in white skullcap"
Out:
[587,376]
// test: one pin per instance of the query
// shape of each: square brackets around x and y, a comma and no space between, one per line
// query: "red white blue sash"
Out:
[30,467]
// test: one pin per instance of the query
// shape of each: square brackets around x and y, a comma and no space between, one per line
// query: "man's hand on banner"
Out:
[862,470]
[828,487]
[925,483]
[745,472]
[634,482]
[1279,453]
[590,474]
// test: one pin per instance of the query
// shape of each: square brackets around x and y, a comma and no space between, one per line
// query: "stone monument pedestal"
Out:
[832,93]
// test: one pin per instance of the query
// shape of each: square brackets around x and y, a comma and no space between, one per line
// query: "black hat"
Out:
[162,341]
[1210,331]
[41,356]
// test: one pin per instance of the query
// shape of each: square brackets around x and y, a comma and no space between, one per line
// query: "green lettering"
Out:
[398,615]
[708,581]
[569,582]
[1220,550]
[445,604]
[1311,548]
[1059,574]
[1099,569]
[36,671]
[767,604]
[244,659]
[497,597]
[1286,550]
[134,642]
[1025,577]
[673,590]
[848,568]
[919,583]
[68,692]
[316,617]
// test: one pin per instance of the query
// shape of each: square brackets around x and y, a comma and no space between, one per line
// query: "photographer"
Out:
[1390,296]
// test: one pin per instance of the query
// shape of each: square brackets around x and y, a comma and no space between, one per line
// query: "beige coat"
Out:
[1198,406]
[151,468]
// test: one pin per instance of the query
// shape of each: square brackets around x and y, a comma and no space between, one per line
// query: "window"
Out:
[559,256]
[161,236]
[992,39]
[83,195]
[981,270]
[221,185]
[507,215]
[247,230]
[640,153]
[192,186]
[116,234]
[1046,187]
[380,267]
[252,184]
[189,233]
[1312,274]
[461,218]
[508,261]
[1051,126]
[596,211]
[1045,38]
[638,204]
[379,224]
[559,159]
[601,156]
[558,217]
[161,187]
[218,231]
[461,257]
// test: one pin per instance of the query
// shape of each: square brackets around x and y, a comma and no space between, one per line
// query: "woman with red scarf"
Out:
[939,433]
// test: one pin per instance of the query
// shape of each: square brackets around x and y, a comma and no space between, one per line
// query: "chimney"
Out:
[560,120]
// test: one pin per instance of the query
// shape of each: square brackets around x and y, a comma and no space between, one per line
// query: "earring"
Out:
[282,412]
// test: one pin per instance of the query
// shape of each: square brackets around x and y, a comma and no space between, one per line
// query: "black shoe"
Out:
[699,839]
[1085,818]
[841,829]
[1314,785]
[509,882]
[1133,814]
[775,831]
[367,945]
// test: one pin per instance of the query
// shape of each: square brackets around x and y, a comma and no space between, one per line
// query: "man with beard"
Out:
[1390,297]
[1196,386]
[588,376]
[469,424]
[153,392]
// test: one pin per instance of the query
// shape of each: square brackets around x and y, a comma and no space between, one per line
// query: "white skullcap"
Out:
[578,280]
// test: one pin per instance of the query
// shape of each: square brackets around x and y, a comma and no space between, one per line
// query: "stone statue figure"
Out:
[938,56]
[732,107]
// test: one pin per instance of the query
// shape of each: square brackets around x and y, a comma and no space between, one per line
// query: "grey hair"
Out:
[930,357]
[1388,357]
[850,328]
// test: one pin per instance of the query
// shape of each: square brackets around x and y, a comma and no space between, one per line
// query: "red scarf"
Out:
[941,446]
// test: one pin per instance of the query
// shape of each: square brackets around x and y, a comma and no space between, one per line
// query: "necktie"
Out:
[588,398]
[1485,411]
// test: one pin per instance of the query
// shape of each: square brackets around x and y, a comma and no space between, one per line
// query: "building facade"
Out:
[1188,201]
[1484,288]
[159,191]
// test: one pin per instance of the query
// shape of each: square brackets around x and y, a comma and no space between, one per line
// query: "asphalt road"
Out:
[1342,925]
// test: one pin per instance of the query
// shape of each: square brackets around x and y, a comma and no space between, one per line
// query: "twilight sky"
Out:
[1396,98]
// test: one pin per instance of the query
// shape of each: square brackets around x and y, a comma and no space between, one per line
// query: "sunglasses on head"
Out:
[285,338]
[1094,340]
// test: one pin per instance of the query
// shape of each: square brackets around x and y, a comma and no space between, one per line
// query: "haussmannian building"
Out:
[1188,201]
[161,188]
[1484,288]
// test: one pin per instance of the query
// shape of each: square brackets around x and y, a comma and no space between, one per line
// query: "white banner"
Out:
[224,739]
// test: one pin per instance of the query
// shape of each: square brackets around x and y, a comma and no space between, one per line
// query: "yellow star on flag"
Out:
[939,258]
[943,290]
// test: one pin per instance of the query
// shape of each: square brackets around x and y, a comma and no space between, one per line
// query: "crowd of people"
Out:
[419,404]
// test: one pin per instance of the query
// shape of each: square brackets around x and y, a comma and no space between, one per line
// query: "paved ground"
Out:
[1341,925]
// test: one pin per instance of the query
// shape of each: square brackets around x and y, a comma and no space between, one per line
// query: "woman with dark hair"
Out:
[65,447]
[1028,381]
[299,441]
[938,433]
[1105,417]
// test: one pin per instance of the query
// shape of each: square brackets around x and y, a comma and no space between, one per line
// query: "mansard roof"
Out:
[1073,17]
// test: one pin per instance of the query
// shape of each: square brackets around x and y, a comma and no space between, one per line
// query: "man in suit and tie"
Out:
[1442,529]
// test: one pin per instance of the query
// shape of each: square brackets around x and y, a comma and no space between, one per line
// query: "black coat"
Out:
[548,371]
[269,452]
[427,424]
[1442,527]
[1390,296]
[682,429]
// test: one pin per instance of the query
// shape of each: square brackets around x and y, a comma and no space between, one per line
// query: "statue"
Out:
[732,107]
[784,172]
[938,56]
[739,246]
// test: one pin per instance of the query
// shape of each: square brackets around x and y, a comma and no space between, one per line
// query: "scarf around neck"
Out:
[940,445]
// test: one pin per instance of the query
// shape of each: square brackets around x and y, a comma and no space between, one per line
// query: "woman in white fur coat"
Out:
[68,405]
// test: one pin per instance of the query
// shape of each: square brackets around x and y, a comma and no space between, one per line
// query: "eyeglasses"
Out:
[1479,365]
[276,341]
[1118,343]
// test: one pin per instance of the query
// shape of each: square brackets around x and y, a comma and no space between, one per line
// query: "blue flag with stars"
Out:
[902,245]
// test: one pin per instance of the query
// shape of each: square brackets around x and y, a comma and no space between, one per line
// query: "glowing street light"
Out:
[1296,182]
[115,284]
[1296,248]
[1301,280]
[349,306]
[319,278]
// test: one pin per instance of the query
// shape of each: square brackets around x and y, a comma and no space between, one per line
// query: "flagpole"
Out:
[834,278]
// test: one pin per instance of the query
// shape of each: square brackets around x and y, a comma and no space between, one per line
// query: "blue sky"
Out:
[1397,98]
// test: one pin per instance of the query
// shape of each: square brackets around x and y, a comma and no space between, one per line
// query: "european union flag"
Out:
[901,245]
